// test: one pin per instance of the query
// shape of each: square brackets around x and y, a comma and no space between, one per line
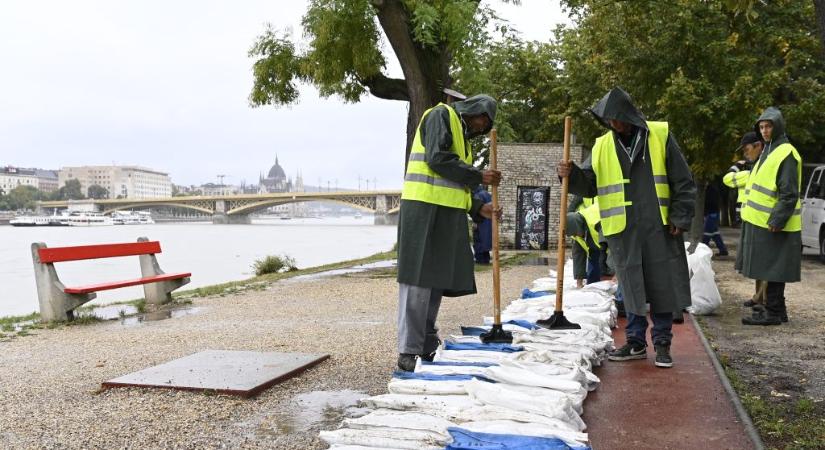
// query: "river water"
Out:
[213,253]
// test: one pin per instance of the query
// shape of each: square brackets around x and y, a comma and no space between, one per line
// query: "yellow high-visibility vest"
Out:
[737,180]
[422,184]
[761,191]
[591,218]
[610,181]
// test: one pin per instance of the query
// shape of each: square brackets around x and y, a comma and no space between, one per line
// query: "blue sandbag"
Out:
[492,347]
[523,323]
[401,375]
[458,363]
[478,331]
[527,293]
[473,440]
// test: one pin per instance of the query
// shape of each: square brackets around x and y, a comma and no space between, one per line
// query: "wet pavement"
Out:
[345,271]
[640,406]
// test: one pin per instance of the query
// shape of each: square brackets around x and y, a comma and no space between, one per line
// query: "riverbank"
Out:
[56,373]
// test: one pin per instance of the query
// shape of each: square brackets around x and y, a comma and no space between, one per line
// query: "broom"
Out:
[557,321]
[497,333]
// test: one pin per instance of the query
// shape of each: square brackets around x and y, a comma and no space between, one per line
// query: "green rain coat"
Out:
[650,264]
[434,241]
[764,255]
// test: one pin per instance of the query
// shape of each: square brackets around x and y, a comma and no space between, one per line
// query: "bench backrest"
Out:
[81,252]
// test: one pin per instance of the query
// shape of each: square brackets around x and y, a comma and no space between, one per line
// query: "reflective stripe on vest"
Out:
[422,183]
[762,194]
[610,180]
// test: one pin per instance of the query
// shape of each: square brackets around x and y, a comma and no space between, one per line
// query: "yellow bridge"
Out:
[237,208]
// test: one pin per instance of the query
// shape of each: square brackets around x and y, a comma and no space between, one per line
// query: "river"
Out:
[213,253]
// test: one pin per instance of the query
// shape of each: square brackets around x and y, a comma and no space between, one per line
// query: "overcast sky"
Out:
[165,84]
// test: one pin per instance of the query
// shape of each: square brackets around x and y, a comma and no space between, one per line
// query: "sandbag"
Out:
[704,295]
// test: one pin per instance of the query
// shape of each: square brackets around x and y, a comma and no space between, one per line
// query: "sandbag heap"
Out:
[528,394]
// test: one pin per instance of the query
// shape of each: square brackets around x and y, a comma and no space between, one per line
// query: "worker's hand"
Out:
[774,229]
[486,211]
[564,168]
[674,230]
[491,177]
[580,283]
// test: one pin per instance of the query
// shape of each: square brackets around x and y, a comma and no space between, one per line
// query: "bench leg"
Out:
[55,305]
[157,293]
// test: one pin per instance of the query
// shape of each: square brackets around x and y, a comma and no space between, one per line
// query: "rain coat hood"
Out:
[778,137]
[617,105]
[476,106]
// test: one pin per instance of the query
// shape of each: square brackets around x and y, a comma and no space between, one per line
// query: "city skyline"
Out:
[96,82]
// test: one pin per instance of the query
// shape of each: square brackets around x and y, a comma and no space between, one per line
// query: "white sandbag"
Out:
[551,403]
[448,370]
[397,438]
[493,412]
[358,447]
[418,402]
[704,295]
[387,418]
[561,370]
[426,387]
[573,439]
[526,377]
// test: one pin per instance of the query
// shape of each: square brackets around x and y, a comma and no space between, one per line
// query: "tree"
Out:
[71,190]
[21,197]
[97,192]
[344,54]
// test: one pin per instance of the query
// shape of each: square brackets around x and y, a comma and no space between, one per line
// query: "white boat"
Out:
[89,219]
[145,217]
[132,218]
[29,221]
[358,215]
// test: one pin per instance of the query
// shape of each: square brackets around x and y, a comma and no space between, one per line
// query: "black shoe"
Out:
[629,351]
[725,253]
[406,362]
[679,317]
[749,304]
[784,317]
[761,316]
[663,358]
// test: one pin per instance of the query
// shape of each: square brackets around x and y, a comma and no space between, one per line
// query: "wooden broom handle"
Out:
[568,124]
[496,274]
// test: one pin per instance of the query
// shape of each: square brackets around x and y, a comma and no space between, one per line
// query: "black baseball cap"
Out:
[749,138]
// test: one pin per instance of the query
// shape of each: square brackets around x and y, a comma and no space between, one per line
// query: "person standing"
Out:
[646,198]
[434,256]
[711,227]
[482,231]
[737,176]
[771,243]
[582,228]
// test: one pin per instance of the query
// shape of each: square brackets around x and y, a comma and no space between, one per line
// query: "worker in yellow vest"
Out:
[646,198]
[434,256]
[770,248]
[583,228]
[737,175]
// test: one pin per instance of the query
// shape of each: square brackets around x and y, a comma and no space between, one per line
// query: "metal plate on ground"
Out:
[242,373]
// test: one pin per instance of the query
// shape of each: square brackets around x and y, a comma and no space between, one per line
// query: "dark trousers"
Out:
[711,231]
[636,329]
[775,298]
[594,273]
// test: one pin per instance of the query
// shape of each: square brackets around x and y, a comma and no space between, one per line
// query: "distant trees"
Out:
[71,190]
[97,192]
[21,197]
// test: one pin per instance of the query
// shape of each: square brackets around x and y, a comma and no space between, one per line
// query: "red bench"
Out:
[58,302]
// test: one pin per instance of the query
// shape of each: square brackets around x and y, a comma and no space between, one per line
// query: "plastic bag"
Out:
[704,295]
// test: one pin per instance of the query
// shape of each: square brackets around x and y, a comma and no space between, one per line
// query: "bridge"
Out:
[237,208]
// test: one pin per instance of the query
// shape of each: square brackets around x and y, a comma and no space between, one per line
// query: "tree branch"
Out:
[387,88]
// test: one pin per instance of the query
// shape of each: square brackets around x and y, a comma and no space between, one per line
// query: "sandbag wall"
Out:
[528,394]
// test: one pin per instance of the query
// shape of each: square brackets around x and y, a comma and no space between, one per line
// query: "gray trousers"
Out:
[417,311]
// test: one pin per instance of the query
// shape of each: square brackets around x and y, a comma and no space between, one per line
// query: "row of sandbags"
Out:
[527,394]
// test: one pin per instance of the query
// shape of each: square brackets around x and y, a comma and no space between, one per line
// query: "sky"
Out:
[165,85]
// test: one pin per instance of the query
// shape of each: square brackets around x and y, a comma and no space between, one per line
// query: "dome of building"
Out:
[277,172]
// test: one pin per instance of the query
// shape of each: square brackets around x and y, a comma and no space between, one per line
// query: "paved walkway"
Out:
[639,406]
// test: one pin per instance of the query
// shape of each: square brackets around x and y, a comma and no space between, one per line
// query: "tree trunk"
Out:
[819,7]
[698,225]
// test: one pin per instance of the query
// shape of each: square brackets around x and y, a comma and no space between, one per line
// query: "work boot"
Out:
[749,304]
[631,350]
[430,356]
[406,362]
[784,317]
[761,316]
[663,358]
[679,317]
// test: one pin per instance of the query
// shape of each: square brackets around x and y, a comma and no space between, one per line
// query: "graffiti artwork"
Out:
[531,225]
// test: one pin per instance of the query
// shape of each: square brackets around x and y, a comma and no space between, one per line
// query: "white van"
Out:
[813,212]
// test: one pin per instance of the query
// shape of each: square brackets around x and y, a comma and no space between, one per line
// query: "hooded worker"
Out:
[772,222]
[583,228]
[646,197]
[434,257]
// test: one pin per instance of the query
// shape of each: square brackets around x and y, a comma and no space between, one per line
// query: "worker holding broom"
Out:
[434,256]
[646,197]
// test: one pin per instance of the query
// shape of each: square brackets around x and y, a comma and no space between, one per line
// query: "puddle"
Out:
[535,261]
[160,315]
[313,410]
[345,271]
[112,312]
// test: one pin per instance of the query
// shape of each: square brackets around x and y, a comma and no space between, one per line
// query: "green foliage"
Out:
[97,192]
[274,264]
[21,197]
[71,190]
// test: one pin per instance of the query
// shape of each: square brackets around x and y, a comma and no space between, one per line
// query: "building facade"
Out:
[120,181]
[12,177]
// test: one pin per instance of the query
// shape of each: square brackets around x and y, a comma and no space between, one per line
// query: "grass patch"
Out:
[274,264]
[782,424]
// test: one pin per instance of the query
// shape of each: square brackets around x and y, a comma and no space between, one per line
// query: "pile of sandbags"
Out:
[528,394]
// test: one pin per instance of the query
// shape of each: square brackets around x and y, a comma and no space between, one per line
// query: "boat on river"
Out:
[89,219]
[29,221]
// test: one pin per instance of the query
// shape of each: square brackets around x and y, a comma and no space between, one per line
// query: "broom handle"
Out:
[568,123]
[496,274]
